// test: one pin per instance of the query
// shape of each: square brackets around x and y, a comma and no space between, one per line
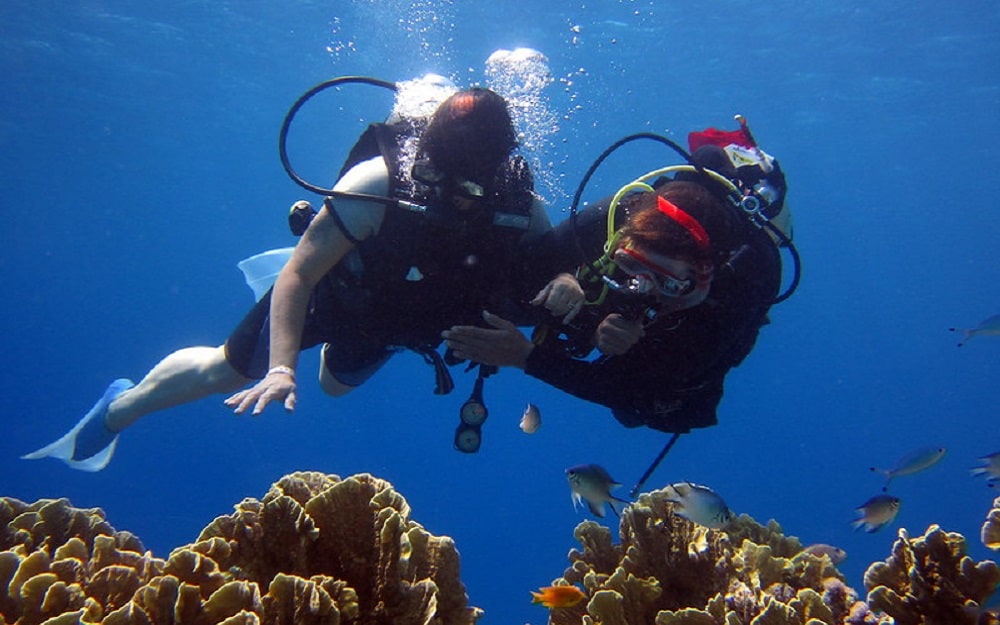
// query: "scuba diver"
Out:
[417,235]
[669,281]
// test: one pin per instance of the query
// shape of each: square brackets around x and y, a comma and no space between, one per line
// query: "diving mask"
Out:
[648,278]
[426,173]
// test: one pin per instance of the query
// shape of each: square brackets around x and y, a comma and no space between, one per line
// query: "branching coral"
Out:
[669,571]
[930,580]
[317,550]
[991,528]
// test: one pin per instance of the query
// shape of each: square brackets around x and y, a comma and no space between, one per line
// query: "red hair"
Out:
[655,230]
[470,135]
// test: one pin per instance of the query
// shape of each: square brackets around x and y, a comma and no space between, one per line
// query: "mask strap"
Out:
[688,222]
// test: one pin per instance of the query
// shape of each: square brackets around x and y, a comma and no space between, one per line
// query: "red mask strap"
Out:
[687,221]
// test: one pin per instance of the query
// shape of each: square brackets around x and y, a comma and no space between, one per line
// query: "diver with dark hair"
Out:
[366,279]
[676,285]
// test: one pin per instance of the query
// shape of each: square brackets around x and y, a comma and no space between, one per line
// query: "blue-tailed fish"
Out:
[699,504]
[911,463]
[836,554]
[877,512]
[591,483]
[531,420]
[990,468]
[988,327]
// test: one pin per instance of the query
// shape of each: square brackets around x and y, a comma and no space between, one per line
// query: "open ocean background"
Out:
[138,164]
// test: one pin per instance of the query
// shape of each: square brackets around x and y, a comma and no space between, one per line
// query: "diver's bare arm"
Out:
[321,247]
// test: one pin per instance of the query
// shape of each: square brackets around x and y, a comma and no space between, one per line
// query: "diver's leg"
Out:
[344,368]
[181,377]
[331,385]
[184,376]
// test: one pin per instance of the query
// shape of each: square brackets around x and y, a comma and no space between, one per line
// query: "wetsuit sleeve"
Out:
[550,364]
[644,387]
[362,218]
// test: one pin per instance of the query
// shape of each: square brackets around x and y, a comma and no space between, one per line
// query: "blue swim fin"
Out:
[90,444]
[260,271]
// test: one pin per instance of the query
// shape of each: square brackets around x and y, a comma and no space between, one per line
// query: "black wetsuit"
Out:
[672,379]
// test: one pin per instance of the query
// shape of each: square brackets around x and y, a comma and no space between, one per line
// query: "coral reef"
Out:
[56,560]
[991,528]
[669,571]
[316,550]
[930,580]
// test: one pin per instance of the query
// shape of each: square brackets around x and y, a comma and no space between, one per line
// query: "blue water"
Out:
[138,165]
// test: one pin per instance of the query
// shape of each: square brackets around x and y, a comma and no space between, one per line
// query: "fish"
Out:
[988,327]
[531,420]
[911,463]
[990,468]
[836,554]
[558,596]
[593,484]
[876,513]
[699,504]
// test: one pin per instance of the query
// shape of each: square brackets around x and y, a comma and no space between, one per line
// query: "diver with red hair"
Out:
[663,288]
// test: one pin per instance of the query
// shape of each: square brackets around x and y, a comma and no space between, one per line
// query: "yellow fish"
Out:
[558,596]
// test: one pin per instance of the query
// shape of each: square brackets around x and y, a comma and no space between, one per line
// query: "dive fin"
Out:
[94,434]
[261,270]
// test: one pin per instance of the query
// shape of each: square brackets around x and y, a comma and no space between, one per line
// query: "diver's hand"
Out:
[616,334]
[502,346]
[276,386]
[563,295]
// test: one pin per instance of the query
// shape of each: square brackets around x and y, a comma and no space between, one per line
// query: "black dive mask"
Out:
[427,174]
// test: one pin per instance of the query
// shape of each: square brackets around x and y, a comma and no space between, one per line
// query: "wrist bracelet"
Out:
[282,369]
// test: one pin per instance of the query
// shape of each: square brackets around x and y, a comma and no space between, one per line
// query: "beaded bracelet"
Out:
[282,369]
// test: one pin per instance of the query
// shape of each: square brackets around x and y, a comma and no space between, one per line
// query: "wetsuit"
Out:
[672,379]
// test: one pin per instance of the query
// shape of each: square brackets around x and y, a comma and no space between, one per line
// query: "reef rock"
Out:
[669,571]
[991,528]
[931,580]
[317,550]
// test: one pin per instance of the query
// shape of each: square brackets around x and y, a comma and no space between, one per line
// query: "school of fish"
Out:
[591,484]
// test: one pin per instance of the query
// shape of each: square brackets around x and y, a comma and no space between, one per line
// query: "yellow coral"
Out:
[930,579]
[327,551]
[669,571]
[991,528]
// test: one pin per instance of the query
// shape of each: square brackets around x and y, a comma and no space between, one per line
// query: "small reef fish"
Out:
[531,420]
[988,327]
[591,483]
[699,504]
[876,513]
[836,554]
[990,468]
[558,596]
[912,463]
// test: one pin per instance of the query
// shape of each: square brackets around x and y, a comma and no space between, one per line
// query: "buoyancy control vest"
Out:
[430,265]
[712,337]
